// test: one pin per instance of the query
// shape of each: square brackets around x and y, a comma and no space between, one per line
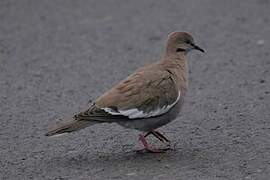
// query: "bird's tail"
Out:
[70,126]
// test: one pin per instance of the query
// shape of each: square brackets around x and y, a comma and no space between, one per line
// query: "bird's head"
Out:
[181,42]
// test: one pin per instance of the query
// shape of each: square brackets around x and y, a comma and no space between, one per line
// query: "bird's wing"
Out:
[146,93]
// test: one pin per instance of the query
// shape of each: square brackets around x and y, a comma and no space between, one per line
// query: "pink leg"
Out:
[147,147]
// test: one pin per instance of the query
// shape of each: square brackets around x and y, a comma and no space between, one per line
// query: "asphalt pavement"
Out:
[57,56]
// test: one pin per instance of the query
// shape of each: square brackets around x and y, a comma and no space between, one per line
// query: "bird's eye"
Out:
[180,50]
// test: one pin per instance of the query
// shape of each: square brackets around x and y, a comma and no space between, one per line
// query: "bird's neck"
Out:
[178,66]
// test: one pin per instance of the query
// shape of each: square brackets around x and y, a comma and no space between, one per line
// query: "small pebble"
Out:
[260,42]
[131,174]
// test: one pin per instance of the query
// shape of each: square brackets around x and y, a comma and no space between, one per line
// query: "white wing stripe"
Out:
[135,113]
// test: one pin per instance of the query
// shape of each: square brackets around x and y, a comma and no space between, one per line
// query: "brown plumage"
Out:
[149,98]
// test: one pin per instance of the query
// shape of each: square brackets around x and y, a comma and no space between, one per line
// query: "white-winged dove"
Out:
[147,99]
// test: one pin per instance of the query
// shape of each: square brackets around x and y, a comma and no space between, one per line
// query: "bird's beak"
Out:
[198,48]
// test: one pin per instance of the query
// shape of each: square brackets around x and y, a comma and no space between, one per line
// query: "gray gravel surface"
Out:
[55,56]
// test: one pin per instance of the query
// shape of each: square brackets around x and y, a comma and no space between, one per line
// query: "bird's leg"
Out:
[162,136]
[147,147]
[155,134]
[158,135]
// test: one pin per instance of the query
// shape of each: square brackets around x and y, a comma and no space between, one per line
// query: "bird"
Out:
[147,99]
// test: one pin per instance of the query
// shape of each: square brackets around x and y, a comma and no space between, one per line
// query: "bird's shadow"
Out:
[101,161]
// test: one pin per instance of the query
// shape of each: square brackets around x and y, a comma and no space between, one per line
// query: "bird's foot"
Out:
[148,149]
